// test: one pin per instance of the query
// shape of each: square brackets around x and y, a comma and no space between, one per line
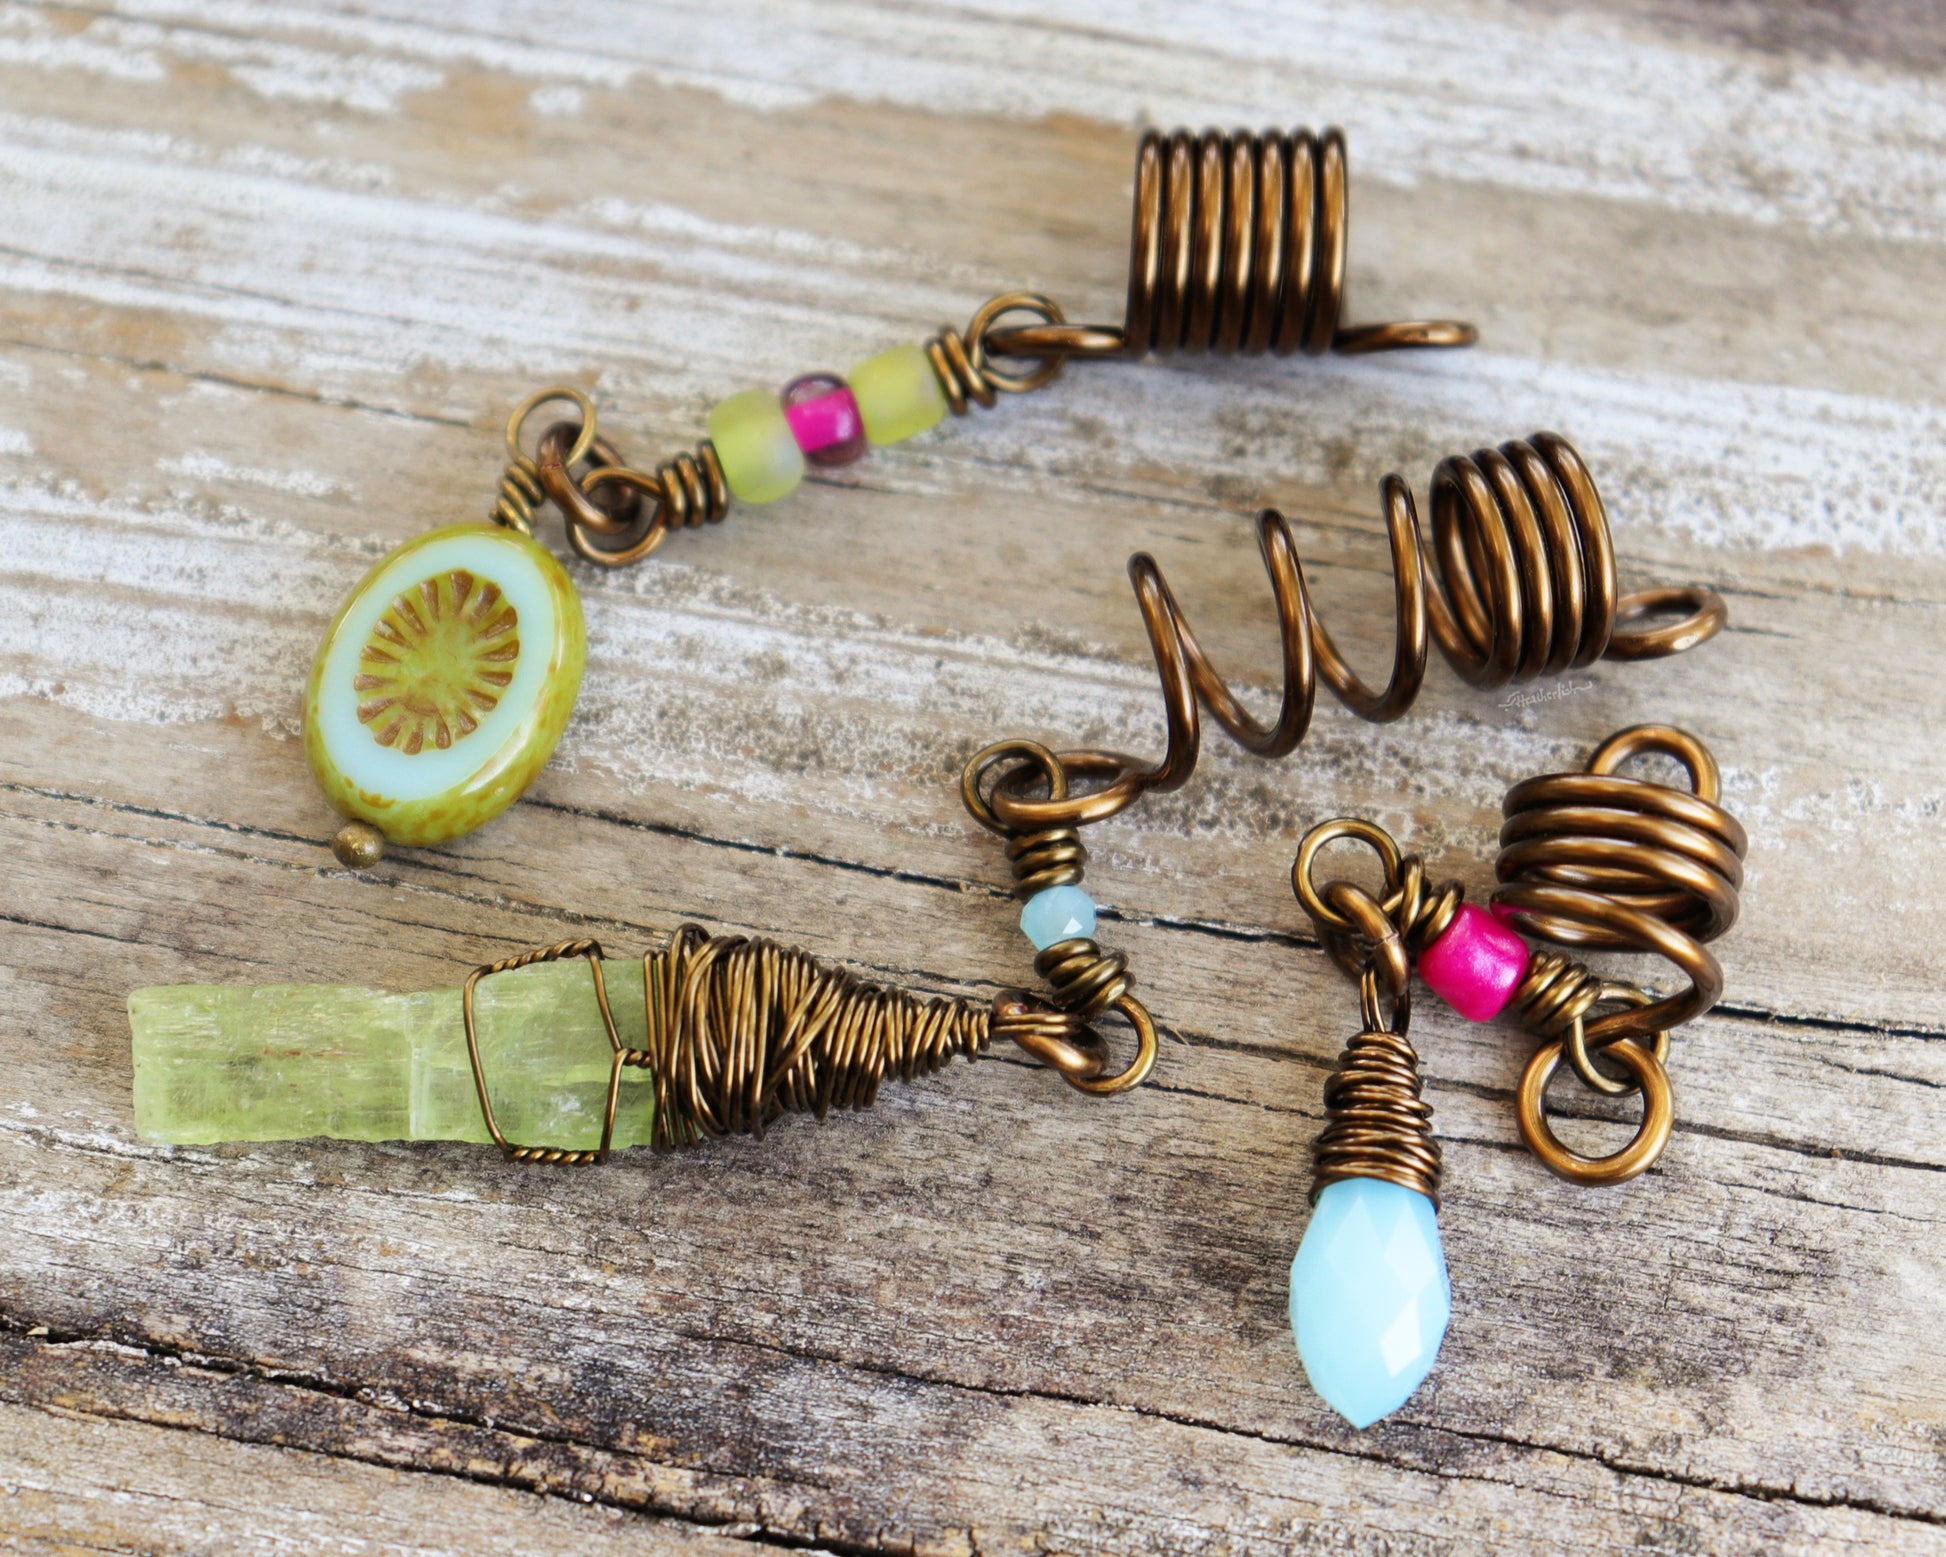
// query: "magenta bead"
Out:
[824,419]
[1476,964]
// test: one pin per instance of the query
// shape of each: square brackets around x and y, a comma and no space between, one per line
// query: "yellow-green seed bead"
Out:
[898,394]
[755,445]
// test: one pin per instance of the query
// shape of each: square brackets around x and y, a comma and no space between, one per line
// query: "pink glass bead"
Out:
[824,419]
[1475,965]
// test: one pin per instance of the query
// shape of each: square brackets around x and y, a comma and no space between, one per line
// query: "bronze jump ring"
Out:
[1651,1136]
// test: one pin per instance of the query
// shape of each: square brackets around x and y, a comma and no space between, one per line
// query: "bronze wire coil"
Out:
[1521,584]
[1596,860]
[1238,245]
[1378,1124]
[1590,860]
[741,1031]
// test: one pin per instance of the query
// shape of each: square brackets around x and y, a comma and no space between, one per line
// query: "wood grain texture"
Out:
[274,275]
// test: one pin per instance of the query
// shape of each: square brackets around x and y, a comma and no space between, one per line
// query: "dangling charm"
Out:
[446,677]
[1369,1292]
[442,685]
[1370,1296]
[719,1035]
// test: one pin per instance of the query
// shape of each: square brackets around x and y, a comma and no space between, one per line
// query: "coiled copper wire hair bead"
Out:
[1520,583]
[1239,245]
[1589,859]
[1595,860]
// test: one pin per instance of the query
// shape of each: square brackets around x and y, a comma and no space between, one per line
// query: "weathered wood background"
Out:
[271,276]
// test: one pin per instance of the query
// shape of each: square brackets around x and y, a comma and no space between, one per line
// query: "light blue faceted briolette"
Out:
[1057,914]
[1369,1296]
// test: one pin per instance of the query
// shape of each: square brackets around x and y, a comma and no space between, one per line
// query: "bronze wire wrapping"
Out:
[1238,245]
[1589,859]
[741,1031]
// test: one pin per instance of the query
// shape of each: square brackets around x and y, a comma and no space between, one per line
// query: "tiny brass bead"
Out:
[358,845]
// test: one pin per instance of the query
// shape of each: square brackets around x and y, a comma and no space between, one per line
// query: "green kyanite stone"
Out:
[292,1061]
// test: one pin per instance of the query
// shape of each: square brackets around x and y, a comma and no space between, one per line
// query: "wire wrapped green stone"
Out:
[288,1062]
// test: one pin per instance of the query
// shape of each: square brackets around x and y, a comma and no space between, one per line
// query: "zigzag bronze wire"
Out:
[1521,584]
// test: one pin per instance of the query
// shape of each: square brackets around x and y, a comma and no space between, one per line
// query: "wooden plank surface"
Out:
[273,276]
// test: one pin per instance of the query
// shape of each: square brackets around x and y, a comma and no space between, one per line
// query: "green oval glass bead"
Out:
[444,682]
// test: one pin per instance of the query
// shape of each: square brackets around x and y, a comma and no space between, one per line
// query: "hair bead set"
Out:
[1590,859]
[448,675]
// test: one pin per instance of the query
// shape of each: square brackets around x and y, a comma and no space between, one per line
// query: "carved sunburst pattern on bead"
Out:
[437,662]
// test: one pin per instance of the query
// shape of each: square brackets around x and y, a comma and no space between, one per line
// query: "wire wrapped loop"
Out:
[1082,977]
[1052,857]
[632,510]
[520,492]
[615,514]
[964,364]
[1057,1038]
[1358,929]
[1378,1124]
[1050,1034]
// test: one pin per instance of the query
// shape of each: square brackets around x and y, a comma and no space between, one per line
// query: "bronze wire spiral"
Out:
[1589,859]
[1521,583]
[741,1031]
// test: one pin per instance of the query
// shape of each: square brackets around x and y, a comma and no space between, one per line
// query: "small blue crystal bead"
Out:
[1369,1297]
[1057,914]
